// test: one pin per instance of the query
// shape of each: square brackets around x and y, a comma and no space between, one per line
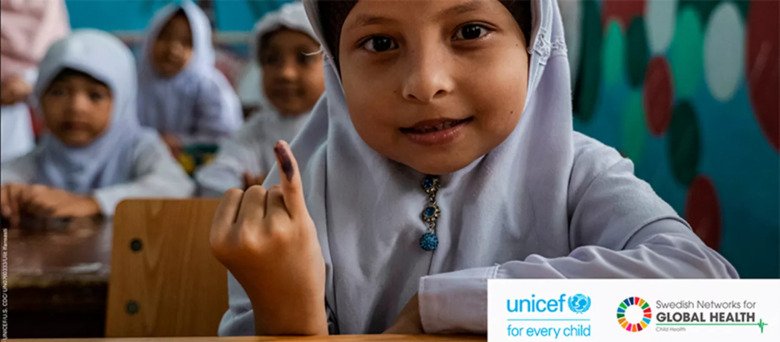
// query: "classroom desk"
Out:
[58,277]
[334,338]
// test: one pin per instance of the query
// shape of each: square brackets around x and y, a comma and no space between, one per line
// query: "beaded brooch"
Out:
[429,241]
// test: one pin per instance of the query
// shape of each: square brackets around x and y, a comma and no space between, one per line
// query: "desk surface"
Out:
[58,276]
[348,338]
[52,251]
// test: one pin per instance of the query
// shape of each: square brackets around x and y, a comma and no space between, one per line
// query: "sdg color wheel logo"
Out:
[634,314]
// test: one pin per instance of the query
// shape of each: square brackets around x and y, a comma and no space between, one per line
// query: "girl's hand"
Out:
[250,179]
[11,201]
[173,142]
[408,320]
[42,200]
[268,241]
[14,89]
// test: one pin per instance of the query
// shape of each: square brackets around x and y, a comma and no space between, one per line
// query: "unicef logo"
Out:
[579,303]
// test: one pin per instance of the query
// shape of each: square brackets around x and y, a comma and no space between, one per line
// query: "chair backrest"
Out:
[164,280]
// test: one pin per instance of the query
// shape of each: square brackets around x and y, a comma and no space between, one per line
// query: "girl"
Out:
[292,78]
[442,156]
[182,94]
[95,153]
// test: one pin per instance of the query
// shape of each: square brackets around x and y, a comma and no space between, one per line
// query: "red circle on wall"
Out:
[702,211]
[621,10]
[658,95]
[762,66]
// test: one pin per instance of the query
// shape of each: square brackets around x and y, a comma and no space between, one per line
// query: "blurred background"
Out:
[687,89]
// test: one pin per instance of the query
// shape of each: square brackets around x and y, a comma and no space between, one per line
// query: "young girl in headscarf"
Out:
[284,46]
[181,94]
[442,156]
[95,154]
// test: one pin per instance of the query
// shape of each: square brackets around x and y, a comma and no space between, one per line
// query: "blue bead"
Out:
[429,241]
[429,211]
[428,182]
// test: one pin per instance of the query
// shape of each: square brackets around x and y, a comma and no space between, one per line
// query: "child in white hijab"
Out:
[95,154]
[284,45]
[442,156]
[181,93]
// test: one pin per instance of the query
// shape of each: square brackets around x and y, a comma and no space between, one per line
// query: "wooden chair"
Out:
[164,280]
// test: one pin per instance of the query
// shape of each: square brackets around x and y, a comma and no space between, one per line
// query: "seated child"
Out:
[181,94]
[292,78]
[95,154]
[441,156]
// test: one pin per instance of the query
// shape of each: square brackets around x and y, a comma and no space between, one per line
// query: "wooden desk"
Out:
[58,277]
[334,338]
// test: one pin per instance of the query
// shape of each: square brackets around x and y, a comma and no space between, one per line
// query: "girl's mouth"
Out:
[434,132]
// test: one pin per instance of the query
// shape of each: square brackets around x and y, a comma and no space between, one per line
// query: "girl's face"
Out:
[172,49]
[433,84]
[292,78]
[76,109]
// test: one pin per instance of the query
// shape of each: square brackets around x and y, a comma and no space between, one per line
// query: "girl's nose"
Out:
[176,48]
[79,103]
[428,76]
[288,69]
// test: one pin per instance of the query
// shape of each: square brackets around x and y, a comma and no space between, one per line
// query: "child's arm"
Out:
[267,239]
[15,176]
[14,89]
[42,200]
[11,199]
[606,244]
[155,174]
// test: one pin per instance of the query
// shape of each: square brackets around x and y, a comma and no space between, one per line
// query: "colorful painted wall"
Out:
[689,91]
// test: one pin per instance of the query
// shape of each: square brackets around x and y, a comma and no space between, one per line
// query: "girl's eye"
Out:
[471,31]
[96,96]
[306,58]
[56,91]
[270,59]
[379,44]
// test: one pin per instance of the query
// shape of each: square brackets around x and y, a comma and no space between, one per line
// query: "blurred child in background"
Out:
[284,45]
[95,153]
[181,93]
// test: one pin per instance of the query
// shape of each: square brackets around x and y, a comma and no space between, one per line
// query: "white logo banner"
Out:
[634,310]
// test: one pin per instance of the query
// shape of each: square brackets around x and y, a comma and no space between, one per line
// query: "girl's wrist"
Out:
[290,319]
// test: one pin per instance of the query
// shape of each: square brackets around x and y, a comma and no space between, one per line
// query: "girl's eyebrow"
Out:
[470,6]
[369,19]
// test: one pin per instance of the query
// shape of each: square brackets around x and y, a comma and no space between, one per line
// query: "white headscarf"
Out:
[521,206]
[108,159]
[169,104]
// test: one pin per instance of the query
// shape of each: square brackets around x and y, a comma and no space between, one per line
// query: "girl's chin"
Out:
[433,167]
[76,141]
